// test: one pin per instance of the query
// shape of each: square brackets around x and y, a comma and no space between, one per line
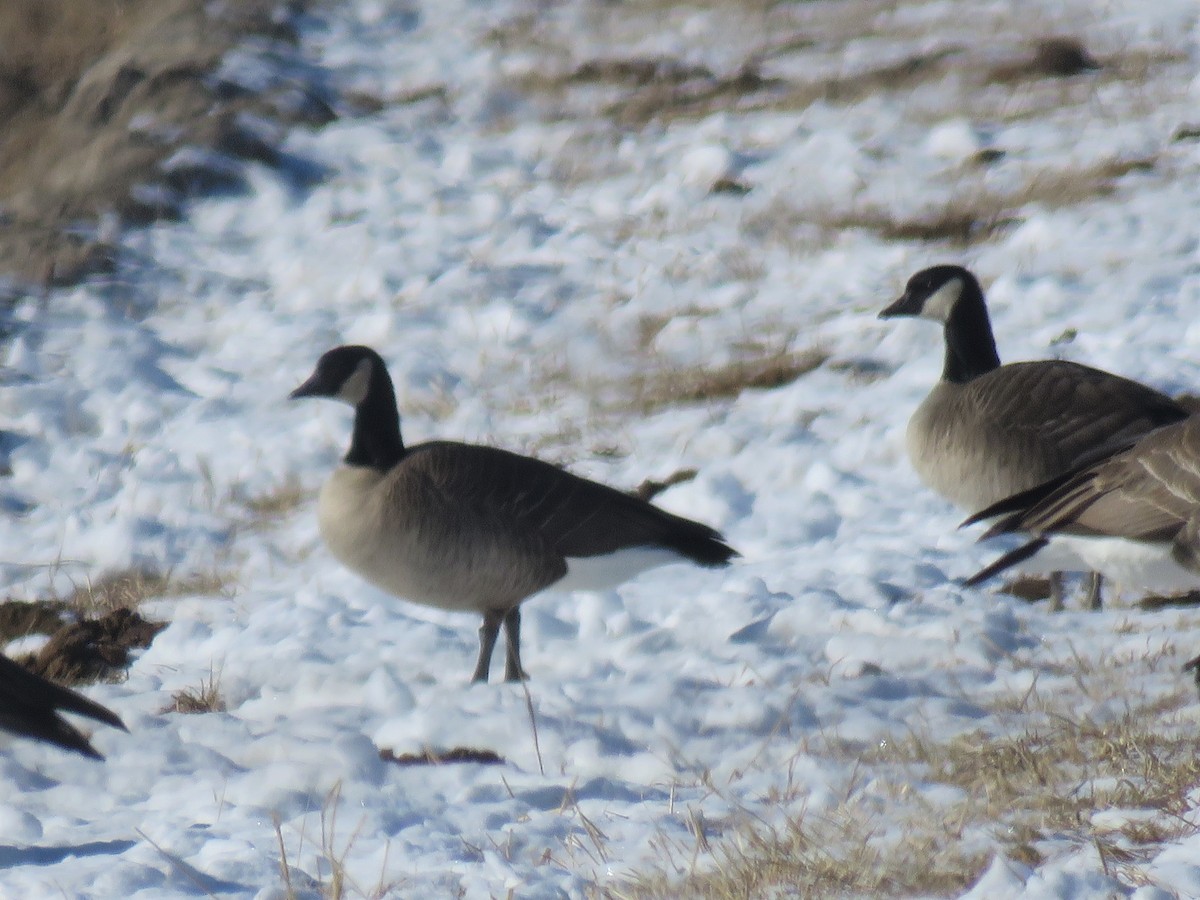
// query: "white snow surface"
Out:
[526,275]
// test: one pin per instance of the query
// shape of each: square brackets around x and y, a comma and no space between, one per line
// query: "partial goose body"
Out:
[472,528]
[987,431]
[1134,516]
[466,527]
[30,706]
[1019,425]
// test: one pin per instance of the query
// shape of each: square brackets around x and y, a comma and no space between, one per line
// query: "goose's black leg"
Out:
[1058,590]
[488,632]
[512,637]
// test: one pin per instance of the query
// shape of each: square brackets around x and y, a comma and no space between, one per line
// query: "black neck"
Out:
[376,442]
[970,346]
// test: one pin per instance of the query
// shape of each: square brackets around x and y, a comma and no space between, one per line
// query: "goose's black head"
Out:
[934,293]
[951,296]
[357,375]
[343,373]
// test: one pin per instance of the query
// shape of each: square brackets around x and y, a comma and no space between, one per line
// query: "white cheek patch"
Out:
[354,388]
[941,302]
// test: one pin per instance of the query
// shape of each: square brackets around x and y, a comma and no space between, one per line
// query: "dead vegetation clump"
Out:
[430,756]
[93,649]
[99,101]
[20,618]
[204,698]
[651,391]
[94,628]
[652,487]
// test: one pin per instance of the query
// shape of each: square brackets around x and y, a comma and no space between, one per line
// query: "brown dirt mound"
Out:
[94,649]
[95,97]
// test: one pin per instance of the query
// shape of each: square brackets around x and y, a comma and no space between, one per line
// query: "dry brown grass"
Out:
[652,487]
[268,508]
[1060,757]
[1054,775]
[835,855]
[332,880]
[19,618]
[650,391]
[75,79]
[130,588]
[204,698]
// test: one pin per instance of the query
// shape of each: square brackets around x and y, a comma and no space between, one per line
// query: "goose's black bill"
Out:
[906,305]
[316,385]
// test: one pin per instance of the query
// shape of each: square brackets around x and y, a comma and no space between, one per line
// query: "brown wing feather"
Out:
[1073,412]
[573,516]
[1148,492]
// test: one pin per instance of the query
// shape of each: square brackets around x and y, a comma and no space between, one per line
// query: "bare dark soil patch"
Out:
[97,99]
[432,757]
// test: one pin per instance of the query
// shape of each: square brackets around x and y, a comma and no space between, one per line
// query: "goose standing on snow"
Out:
[988,431]
[30,705]
[472,528]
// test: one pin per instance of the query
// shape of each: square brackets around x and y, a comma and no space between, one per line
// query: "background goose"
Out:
[1137,512]
[465,527]
[30,705]
[988,431]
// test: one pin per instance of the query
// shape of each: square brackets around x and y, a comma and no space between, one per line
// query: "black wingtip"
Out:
[713,553]
[1015,505]
[74,702]
[1006,525]
[32,706]
[84,748]
[730,555]
[1012,558]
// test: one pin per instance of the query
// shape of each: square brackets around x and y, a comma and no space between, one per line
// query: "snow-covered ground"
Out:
[537,276]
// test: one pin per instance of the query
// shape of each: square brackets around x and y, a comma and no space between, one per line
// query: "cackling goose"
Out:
[988,431]
[466,527]
[30,705]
